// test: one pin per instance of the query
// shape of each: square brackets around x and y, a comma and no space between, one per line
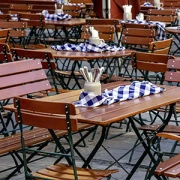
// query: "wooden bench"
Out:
[18,79]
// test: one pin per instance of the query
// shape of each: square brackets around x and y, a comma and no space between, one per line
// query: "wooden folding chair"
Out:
[161,47]
[37,25]
[54,116]
[19,79]
[170,167]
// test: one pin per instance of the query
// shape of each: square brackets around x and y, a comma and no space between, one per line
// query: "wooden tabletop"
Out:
[173,31]
[85,56]
[68,23]
[106,114]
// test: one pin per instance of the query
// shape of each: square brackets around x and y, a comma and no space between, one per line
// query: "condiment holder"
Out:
[92,80]
[127,15]
[57,9]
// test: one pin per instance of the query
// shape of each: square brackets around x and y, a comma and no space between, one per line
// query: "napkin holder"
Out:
[127,15]
[94,37]
[93,87]
[57,9]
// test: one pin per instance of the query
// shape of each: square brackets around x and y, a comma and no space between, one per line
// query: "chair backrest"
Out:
[106,32]
[46,59]
[33,20]
[21,78]
[173,73]
[172,5]
[21,7]
[5,17]
[165,12]
[74,11]
[140,26]
[17,31]
[131,37]
[150,62]
[5,53]
[166,19]
[17,8]
[45,114]
[114,22]
[4,35]
[161,47]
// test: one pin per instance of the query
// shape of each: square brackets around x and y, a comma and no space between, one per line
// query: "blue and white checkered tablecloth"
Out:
[134,90]
[160,27]
[86,47]
[56,17]
[147,4]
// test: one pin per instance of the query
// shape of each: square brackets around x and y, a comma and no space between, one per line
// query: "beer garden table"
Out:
[106,114]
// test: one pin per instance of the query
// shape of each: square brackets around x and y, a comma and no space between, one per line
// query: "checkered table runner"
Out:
[147,4]
[56,17]
[134,90]
[160,27]
[87,47]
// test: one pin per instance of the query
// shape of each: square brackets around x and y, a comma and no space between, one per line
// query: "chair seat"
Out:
[170,167]
[168,128]
[63,171]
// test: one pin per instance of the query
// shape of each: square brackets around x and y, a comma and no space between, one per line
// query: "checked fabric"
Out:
[134,90]
[56,17]
[147,4]
[87,47]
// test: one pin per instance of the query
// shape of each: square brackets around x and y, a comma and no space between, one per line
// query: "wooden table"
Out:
[65,26]
[86,56]
[67,23]
[112,61]
[106,114]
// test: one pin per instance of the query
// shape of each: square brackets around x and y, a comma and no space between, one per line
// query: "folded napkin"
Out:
[147,4]
[134,90]
[56,17]
[87,47]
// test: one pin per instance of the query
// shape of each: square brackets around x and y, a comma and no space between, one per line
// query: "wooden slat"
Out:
[19,79]
[46,107]
[136,40]
[24,89]
[22,66]
[162,167]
